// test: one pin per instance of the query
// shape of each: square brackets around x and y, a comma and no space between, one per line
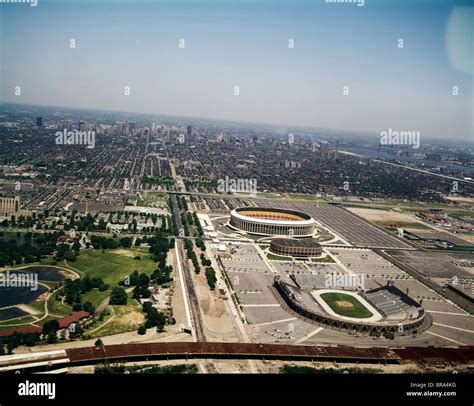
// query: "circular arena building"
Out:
[306,247]
[272,222]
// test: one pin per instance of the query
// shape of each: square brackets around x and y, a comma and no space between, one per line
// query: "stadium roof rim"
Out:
[306,219]
[295,242]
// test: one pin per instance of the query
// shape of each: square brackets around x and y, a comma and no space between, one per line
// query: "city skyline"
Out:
[230,44]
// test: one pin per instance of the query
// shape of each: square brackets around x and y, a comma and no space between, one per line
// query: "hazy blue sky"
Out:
[245,44]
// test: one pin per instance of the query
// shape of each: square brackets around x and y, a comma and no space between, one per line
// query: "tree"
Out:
[51,337]
[141,330]
[118,296]
[88,307]
[126,242]
[50,326]
[77,307]
[99,343]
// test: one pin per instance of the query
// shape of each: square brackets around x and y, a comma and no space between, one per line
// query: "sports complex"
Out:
[272,222]
[384,311]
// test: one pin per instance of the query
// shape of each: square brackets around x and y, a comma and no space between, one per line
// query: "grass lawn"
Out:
[324,260]
[95,296]
[56,307]
[112,266]
[346,305]
[127,318]
[22,320]
[273,257]
[403,224]
[38,305]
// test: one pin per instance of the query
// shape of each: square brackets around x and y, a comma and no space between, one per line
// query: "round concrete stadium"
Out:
[272,222]
[296,248]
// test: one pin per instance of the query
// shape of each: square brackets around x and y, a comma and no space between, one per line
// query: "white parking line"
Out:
[445,338]
[309,335]
[450,313]
[454,328]
[261,305]
[273,322]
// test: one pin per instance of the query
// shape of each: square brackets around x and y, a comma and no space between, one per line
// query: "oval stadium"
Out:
[272,222]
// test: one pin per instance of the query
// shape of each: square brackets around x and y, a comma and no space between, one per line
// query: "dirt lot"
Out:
[125,253]
[135,318]
[384,215]
[219,326]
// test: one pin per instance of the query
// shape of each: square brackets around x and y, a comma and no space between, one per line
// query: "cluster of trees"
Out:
[12,253]
[211,277]
[182,203]
[192,255]
[210,183]
[118,296]
[73,289]
[200,244]
[23,222]
[142,370]
[161,275]
[205,261]
[174,227]
[30,248]
[50,330]
[197,223]
[141,283]
[159,246]
[185,225]
[66,252]
[99,242]
[153,318]
[162,181]
[8,344]
[86,223]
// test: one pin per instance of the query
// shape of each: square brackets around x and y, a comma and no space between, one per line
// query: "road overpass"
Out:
[42,361]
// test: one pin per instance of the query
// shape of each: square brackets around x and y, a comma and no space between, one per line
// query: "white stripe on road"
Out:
[309,335]
[450,313]
[444,338]
[261,305]
[454,328]
[273,322]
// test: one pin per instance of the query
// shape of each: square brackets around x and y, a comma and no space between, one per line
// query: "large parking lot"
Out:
[350,227]
[435,264]
[271,321]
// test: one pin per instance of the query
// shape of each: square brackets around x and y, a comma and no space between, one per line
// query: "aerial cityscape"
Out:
[236,188]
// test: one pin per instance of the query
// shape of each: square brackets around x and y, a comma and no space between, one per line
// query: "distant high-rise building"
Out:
[119,129]
[324,148]
[39,121]
[189,130]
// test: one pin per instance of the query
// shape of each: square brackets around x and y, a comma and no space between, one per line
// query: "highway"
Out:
[50,360]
